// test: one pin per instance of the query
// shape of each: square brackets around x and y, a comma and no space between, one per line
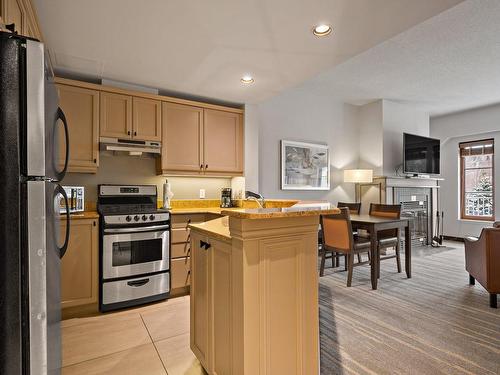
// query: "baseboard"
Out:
[452,238]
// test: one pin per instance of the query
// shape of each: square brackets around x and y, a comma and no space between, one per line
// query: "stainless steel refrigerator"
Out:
[31,246]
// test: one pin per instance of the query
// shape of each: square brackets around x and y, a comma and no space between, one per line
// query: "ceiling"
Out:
[202,48]
[446,64]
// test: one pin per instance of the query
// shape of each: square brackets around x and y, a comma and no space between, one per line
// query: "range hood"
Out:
[129,146]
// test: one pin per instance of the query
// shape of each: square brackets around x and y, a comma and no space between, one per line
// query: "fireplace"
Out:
[416,204]
[418,198]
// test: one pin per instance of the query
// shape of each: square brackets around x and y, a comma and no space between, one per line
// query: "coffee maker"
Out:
[225,198]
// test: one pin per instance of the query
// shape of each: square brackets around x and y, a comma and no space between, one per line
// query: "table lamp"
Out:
[358,176]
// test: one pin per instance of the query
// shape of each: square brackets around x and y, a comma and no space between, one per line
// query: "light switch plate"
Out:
[202,193]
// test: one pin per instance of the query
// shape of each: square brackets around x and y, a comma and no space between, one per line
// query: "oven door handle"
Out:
[136,229]
[138,283]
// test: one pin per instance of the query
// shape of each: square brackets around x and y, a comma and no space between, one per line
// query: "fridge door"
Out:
[43,116]
[44,263]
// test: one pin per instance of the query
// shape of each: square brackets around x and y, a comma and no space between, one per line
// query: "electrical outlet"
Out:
[202,193]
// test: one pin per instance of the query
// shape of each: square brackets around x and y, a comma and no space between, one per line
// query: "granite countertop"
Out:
[299,209]
[217,228]
[84,215]
[202,210]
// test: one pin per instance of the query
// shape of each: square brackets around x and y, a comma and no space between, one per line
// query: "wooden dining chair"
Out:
[354,208]
[338,238]
[389,238]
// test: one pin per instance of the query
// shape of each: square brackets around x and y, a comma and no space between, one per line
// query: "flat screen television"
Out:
[421,155]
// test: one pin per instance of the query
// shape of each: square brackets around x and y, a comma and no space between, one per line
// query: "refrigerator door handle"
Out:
[64,247]
[62,117]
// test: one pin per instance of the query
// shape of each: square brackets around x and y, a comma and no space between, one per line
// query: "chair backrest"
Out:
[496,224]
[354,208]
[385,210]
[337,231]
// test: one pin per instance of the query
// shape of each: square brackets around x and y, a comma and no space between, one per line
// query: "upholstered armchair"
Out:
[482,261]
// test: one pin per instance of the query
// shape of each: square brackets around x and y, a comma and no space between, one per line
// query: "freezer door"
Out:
[44,264]
[43,116]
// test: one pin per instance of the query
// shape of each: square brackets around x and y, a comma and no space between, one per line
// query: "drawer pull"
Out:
[138,283]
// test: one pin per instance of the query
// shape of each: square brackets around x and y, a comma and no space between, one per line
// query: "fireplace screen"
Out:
[415,204]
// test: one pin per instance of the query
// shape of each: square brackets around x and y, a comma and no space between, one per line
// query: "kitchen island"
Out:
[254,291]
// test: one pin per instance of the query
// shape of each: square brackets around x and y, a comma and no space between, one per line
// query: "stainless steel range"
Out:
[134,246]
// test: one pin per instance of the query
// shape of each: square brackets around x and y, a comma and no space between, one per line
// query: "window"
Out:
[477,180]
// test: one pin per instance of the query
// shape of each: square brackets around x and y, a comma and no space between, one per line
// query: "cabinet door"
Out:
[180,273]
[146,124]
[181,138]
[221,307]
[81,107]
[13,11]
[222,142]
[200,301]
[116,115]
[79,266]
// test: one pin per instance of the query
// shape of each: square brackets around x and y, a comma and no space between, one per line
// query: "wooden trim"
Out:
[163,98]
[462,181]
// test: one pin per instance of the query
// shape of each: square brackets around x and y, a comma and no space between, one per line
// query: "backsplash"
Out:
[118,169]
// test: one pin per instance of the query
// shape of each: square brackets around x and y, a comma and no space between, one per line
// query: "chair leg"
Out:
[472,280]
[369,256]
[322,266]
[493,300]
[350,266]
[378,263]
[345,262]
[359,258]
[398,259]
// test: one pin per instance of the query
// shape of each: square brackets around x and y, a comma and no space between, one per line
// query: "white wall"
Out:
[303,116]
[452,129]
[371,137]
[251,147]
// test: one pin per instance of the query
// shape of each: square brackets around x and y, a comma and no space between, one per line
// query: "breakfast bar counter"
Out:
[254,290]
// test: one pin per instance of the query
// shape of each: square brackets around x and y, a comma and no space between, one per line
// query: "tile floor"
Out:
[150,340]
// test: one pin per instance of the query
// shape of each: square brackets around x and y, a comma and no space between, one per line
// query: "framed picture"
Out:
[304,166]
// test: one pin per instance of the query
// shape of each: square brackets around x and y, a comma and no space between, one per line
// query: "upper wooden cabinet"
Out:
[81,108]
[222,142]
[116,115]
[22,14]
[201,141]
[182,142]
[125,116]
[146,124]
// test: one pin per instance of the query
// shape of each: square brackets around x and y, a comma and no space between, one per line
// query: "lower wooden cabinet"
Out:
[80,264]
[180,273]
[211,304]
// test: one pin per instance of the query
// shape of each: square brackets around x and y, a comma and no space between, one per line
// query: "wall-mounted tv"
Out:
[421,154]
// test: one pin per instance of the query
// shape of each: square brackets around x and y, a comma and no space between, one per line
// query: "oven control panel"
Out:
[136,219]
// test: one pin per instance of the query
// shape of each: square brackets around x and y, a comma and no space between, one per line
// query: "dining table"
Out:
[374,224]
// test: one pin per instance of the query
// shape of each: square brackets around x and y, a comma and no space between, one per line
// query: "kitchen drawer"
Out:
[180,250]
[180,270]
[180,235]
[182,220]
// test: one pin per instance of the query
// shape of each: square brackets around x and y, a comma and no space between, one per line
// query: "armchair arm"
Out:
[475,257]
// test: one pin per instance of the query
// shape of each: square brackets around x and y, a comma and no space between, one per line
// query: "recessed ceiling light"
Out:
[247,79]
[322,30]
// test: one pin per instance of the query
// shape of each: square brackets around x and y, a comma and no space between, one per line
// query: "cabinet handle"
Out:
[135,133]
[205,245]
[206,166]
[95,161]
[94,224]
[201,166]
[128,133]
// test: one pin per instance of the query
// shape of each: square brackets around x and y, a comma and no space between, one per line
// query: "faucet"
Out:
[251,196]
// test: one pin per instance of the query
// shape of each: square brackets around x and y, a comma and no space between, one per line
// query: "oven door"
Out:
[128,252]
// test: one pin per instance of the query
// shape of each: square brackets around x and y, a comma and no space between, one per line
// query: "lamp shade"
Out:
[358,175]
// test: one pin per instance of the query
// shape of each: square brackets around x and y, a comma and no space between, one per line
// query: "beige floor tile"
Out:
[177,357]
[100,336]
[167,321]
[141,360]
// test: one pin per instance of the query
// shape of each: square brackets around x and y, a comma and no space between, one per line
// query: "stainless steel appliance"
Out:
[29,248]
[225,198]
[76,199]
[134,246]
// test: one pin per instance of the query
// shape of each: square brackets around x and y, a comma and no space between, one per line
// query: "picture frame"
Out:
[304,166]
